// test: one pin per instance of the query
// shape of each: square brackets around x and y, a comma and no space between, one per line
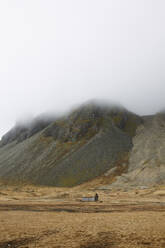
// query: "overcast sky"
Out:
[55,53]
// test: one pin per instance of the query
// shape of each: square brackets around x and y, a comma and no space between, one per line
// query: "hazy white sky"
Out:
[55,53]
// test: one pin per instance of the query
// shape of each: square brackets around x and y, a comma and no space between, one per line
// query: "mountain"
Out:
[82,145]
[147,157]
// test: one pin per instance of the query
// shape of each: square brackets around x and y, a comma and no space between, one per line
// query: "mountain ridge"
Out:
[71,149]
[90,141]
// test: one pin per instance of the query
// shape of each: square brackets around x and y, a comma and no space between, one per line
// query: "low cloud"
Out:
[56,54]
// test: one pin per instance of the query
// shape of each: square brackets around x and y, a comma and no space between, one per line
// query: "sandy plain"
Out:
[40,217]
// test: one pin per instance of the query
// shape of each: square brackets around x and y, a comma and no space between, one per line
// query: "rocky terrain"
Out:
[147,157]
[98,143]
[70,150]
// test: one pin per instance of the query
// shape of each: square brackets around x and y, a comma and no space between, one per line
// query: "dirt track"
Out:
[84,207]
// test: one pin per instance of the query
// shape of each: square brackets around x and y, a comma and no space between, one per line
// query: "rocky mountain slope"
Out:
[147,157]
[23,131]
[69,150]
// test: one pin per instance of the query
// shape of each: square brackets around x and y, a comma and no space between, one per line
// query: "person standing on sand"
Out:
[96,197]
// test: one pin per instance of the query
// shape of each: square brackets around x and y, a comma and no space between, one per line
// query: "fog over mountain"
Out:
[55,54]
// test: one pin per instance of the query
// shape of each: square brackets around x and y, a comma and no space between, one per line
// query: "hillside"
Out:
[147,157]
[70,150]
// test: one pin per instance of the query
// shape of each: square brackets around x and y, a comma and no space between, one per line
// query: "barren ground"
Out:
[32,217]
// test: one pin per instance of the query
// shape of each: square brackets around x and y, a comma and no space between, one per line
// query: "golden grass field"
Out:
[32,217]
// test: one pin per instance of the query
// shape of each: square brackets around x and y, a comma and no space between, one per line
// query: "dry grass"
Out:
[48,217]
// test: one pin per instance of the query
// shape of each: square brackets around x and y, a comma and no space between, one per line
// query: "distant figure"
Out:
[96,197]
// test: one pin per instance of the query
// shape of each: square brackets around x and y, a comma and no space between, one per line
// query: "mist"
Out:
[56,54]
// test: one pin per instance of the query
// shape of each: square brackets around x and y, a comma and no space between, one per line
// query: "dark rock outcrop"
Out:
[23,131]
